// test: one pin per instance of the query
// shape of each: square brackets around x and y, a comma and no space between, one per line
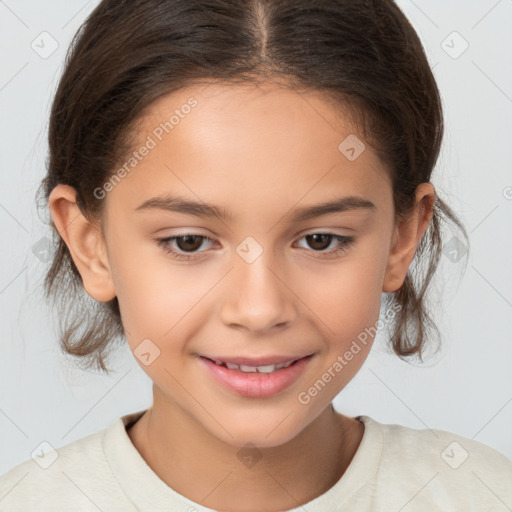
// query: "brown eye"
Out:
[327,245]
[185,246]
[319,241]
[189,242]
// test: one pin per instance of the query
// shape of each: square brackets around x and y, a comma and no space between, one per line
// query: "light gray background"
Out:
[466,388]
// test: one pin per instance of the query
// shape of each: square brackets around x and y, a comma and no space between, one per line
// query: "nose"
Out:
[256,297]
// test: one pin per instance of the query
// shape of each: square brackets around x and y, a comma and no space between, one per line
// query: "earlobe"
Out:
[84,241]
[408,233]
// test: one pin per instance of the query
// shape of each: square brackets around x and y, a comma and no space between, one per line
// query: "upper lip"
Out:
[256,361]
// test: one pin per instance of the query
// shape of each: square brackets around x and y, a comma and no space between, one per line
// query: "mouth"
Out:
[253,367]
[256,378]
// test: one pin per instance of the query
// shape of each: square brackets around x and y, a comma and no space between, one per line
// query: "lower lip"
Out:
[256,385]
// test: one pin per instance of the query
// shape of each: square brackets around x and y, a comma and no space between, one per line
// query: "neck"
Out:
[218,475]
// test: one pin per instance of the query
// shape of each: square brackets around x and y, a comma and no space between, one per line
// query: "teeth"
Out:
[253,369]
[249,369]
[267,369]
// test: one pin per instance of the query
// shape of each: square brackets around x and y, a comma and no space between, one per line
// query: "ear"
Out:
[84,241]
[407,235]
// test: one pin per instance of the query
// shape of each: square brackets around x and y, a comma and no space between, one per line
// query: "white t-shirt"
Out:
[395,468]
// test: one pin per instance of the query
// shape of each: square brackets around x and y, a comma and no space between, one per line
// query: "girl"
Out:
[294,143]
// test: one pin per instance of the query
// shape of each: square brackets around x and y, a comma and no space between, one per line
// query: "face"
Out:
[247,277]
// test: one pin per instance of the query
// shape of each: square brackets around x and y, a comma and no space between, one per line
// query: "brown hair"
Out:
[362,53]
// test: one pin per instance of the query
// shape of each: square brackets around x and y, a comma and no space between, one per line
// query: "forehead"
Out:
[261,109]
[262,141]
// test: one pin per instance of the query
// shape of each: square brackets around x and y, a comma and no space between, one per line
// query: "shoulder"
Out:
[75,476]
[442,468]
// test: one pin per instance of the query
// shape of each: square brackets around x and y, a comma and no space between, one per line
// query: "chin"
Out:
[264,429]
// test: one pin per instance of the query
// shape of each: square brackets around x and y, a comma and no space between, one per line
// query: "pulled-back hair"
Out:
[364,54]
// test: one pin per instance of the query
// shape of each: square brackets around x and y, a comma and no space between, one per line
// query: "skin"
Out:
[260,153]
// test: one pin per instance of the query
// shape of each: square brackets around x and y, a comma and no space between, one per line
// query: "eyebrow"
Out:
[200,209]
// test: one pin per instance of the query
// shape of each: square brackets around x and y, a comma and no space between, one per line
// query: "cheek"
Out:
[346,297]
[156,296]
[158,307]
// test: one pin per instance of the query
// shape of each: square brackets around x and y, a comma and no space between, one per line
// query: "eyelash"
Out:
[346,243]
